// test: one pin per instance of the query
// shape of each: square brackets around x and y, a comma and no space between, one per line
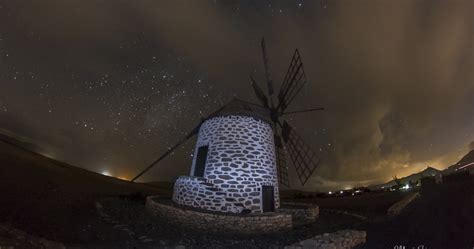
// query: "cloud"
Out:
[389,82]
[395,83]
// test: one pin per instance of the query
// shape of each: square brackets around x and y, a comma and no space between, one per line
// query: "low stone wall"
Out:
[218,222]
[302,213]
[343,239]
[397,208]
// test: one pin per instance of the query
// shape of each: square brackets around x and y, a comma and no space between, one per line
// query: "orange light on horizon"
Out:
[125,178]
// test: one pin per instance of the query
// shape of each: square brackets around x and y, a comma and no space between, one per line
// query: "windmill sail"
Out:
[267,69]
[293,82]
[303,158]
[259,93]
[188,136]
[303,111]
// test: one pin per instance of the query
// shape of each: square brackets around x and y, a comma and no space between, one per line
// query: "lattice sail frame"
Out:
[259,93]
[303,157]
[294,81]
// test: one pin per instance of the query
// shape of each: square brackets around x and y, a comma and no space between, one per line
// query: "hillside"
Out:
[467,162]
[43,197]
[429,171]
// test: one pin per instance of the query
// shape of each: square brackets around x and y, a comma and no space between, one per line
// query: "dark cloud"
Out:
[395,77]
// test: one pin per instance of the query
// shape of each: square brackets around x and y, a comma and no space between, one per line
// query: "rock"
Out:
[397,208]
[98,205]
[309,242]
[51,244]
[339,240]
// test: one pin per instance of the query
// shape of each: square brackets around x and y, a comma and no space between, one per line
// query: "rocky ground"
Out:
[126,224]
[122,222]
[129,216]
[340,239]
[11,238]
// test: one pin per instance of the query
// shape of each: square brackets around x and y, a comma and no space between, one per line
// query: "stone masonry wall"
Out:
[199,192]
[302,214]
[241,158]
[224,223]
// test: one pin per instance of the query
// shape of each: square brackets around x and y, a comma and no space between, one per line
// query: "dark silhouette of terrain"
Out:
[55,200]
[429,171]
[442,218]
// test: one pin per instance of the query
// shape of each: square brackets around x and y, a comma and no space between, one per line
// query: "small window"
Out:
[200,166]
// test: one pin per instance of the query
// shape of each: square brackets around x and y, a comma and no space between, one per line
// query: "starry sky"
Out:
[109,85]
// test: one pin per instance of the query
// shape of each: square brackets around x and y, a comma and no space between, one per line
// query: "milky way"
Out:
[109,85]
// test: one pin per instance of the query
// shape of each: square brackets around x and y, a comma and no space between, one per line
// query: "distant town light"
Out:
[341,192]
[105,173]
[406,186]
[330,192]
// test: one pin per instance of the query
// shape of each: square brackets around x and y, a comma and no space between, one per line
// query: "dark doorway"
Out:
[201,161]
[268,199]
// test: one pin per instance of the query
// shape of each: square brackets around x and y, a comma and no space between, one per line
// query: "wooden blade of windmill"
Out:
[258,92]
[294,81]
[303,157]
[171,149]
[303,111]
[267,70]
[188,136]
[282,167]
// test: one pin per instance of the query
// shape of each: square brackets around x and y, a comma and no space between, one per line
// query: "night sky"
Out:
[109,85]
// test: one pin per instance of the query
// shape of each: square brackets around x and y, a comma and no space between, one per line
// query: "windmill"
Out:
[304,159]
[240,154]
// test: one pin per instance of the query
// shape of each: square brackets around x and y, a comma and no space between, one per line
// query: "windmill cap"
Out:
[237,107]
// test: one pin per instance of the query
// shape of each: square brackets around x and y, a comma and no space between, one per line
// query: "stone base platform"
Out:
[302,213]
[218,222]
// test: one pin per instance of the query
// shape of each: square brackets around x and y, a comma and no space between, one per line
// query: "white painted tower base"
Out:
[239,163]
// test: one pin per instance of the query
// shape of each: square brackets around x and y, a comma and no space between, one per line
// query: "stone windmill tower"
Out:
[240,157]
